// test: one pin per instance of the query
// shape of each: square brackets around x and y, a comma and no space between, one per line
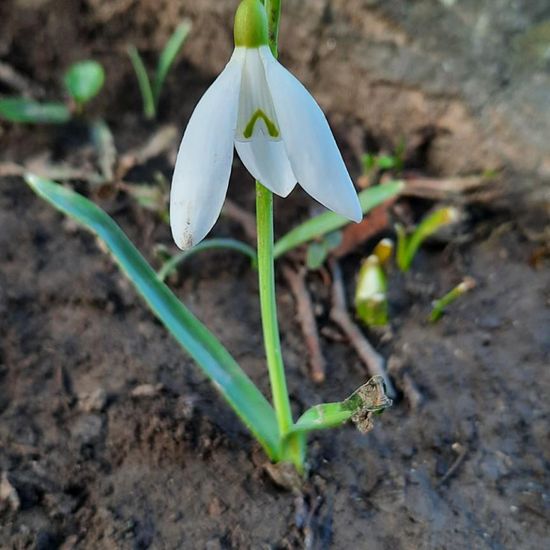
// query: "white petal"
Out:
[267,161]
[259,145]
[203,166]
[310,145]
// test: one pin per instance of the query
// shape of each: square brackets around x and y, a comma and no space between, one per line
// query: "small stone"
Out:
[146,390]
[93,402]
[8,493]
[215,508]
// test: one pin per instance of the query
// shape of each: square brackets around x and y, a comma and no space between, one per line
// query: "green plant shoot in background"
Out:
[151,89]
[83,81]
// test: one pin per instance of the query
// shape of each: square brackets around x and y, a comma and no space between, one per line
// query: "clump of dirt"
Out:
[111,438]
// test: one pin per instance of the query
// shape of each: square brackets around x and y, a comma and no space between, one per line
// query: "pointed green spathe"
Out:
[250,29]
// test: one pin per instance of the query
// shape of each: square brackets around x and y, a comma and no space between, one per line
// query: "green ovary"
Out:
[270,125]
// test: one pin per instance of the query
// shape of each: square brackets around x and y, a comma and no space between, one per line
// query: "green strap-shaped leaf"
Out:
[147,96]
[365,401]
[228,377]
[19,109]
[329,221]
[168,56]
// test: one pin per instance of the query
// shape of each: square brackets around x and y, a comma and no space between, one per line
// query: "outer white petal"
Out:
[314,156]
[203,166]
[267,161]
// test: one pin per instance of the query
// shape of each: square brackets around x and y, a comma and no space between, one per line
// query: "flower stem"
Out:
[272,342]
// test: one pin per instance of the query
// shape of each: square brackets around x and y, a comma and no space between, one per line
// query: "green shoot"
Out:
[371,303]
[151,90]
[147,96]
[168,57]
[28,111]
[408,244]
[84,81]
[359,407]
[439,306]
[172,263]
[329,221]
[382,162]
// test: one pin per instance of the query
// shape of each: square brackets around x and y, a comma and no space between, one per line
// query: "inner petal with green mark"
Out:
[257,118]
[270,125]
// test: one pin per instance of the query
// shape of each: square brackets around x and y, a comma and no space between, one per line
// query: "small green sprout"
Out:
[83,81]
[371,301]
[383,162]
[439,306]
[151,90]
[409,243]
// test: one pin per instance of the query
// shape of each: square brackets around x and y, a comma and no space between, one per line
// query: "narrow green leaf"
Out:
[329,221]
[427,227]
[367,400]
[216,362]
[168,56]
[23,110]
[84,80]
[208,244]
[147,97]
[439,306]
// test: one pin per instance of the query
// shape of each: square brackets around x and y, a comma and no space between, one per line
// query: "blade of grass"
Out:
[427,227]
[168,56]
[149,109]
[208,244]
[23,110]
[216,362]
[329,221]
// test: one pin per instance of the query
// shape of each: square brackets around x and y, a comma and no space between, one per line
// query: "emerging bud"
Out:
[250,29]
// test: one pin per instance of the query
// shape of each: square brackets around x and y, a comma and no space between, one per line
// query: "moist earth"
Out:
[110,437]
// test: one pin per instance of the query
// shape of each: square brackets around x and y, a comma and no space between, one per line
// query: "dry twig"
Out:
[466,189]
[304,310]
[339,314]
[461,451]
[396,367]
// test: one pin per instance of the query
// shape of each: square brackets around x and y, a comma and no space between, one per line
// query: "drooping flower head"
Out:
[281,135]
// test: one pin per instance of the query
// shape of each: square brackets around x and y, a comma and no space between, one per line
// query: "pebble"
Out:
[93,402]
[146,390]
[8,493]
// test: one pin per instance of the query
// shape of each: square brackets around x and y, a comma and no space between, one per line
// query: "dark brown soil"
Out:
[96,466]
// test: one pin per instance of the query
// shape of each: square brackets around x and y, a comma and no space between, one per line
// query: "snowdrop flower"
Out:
[281,135]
